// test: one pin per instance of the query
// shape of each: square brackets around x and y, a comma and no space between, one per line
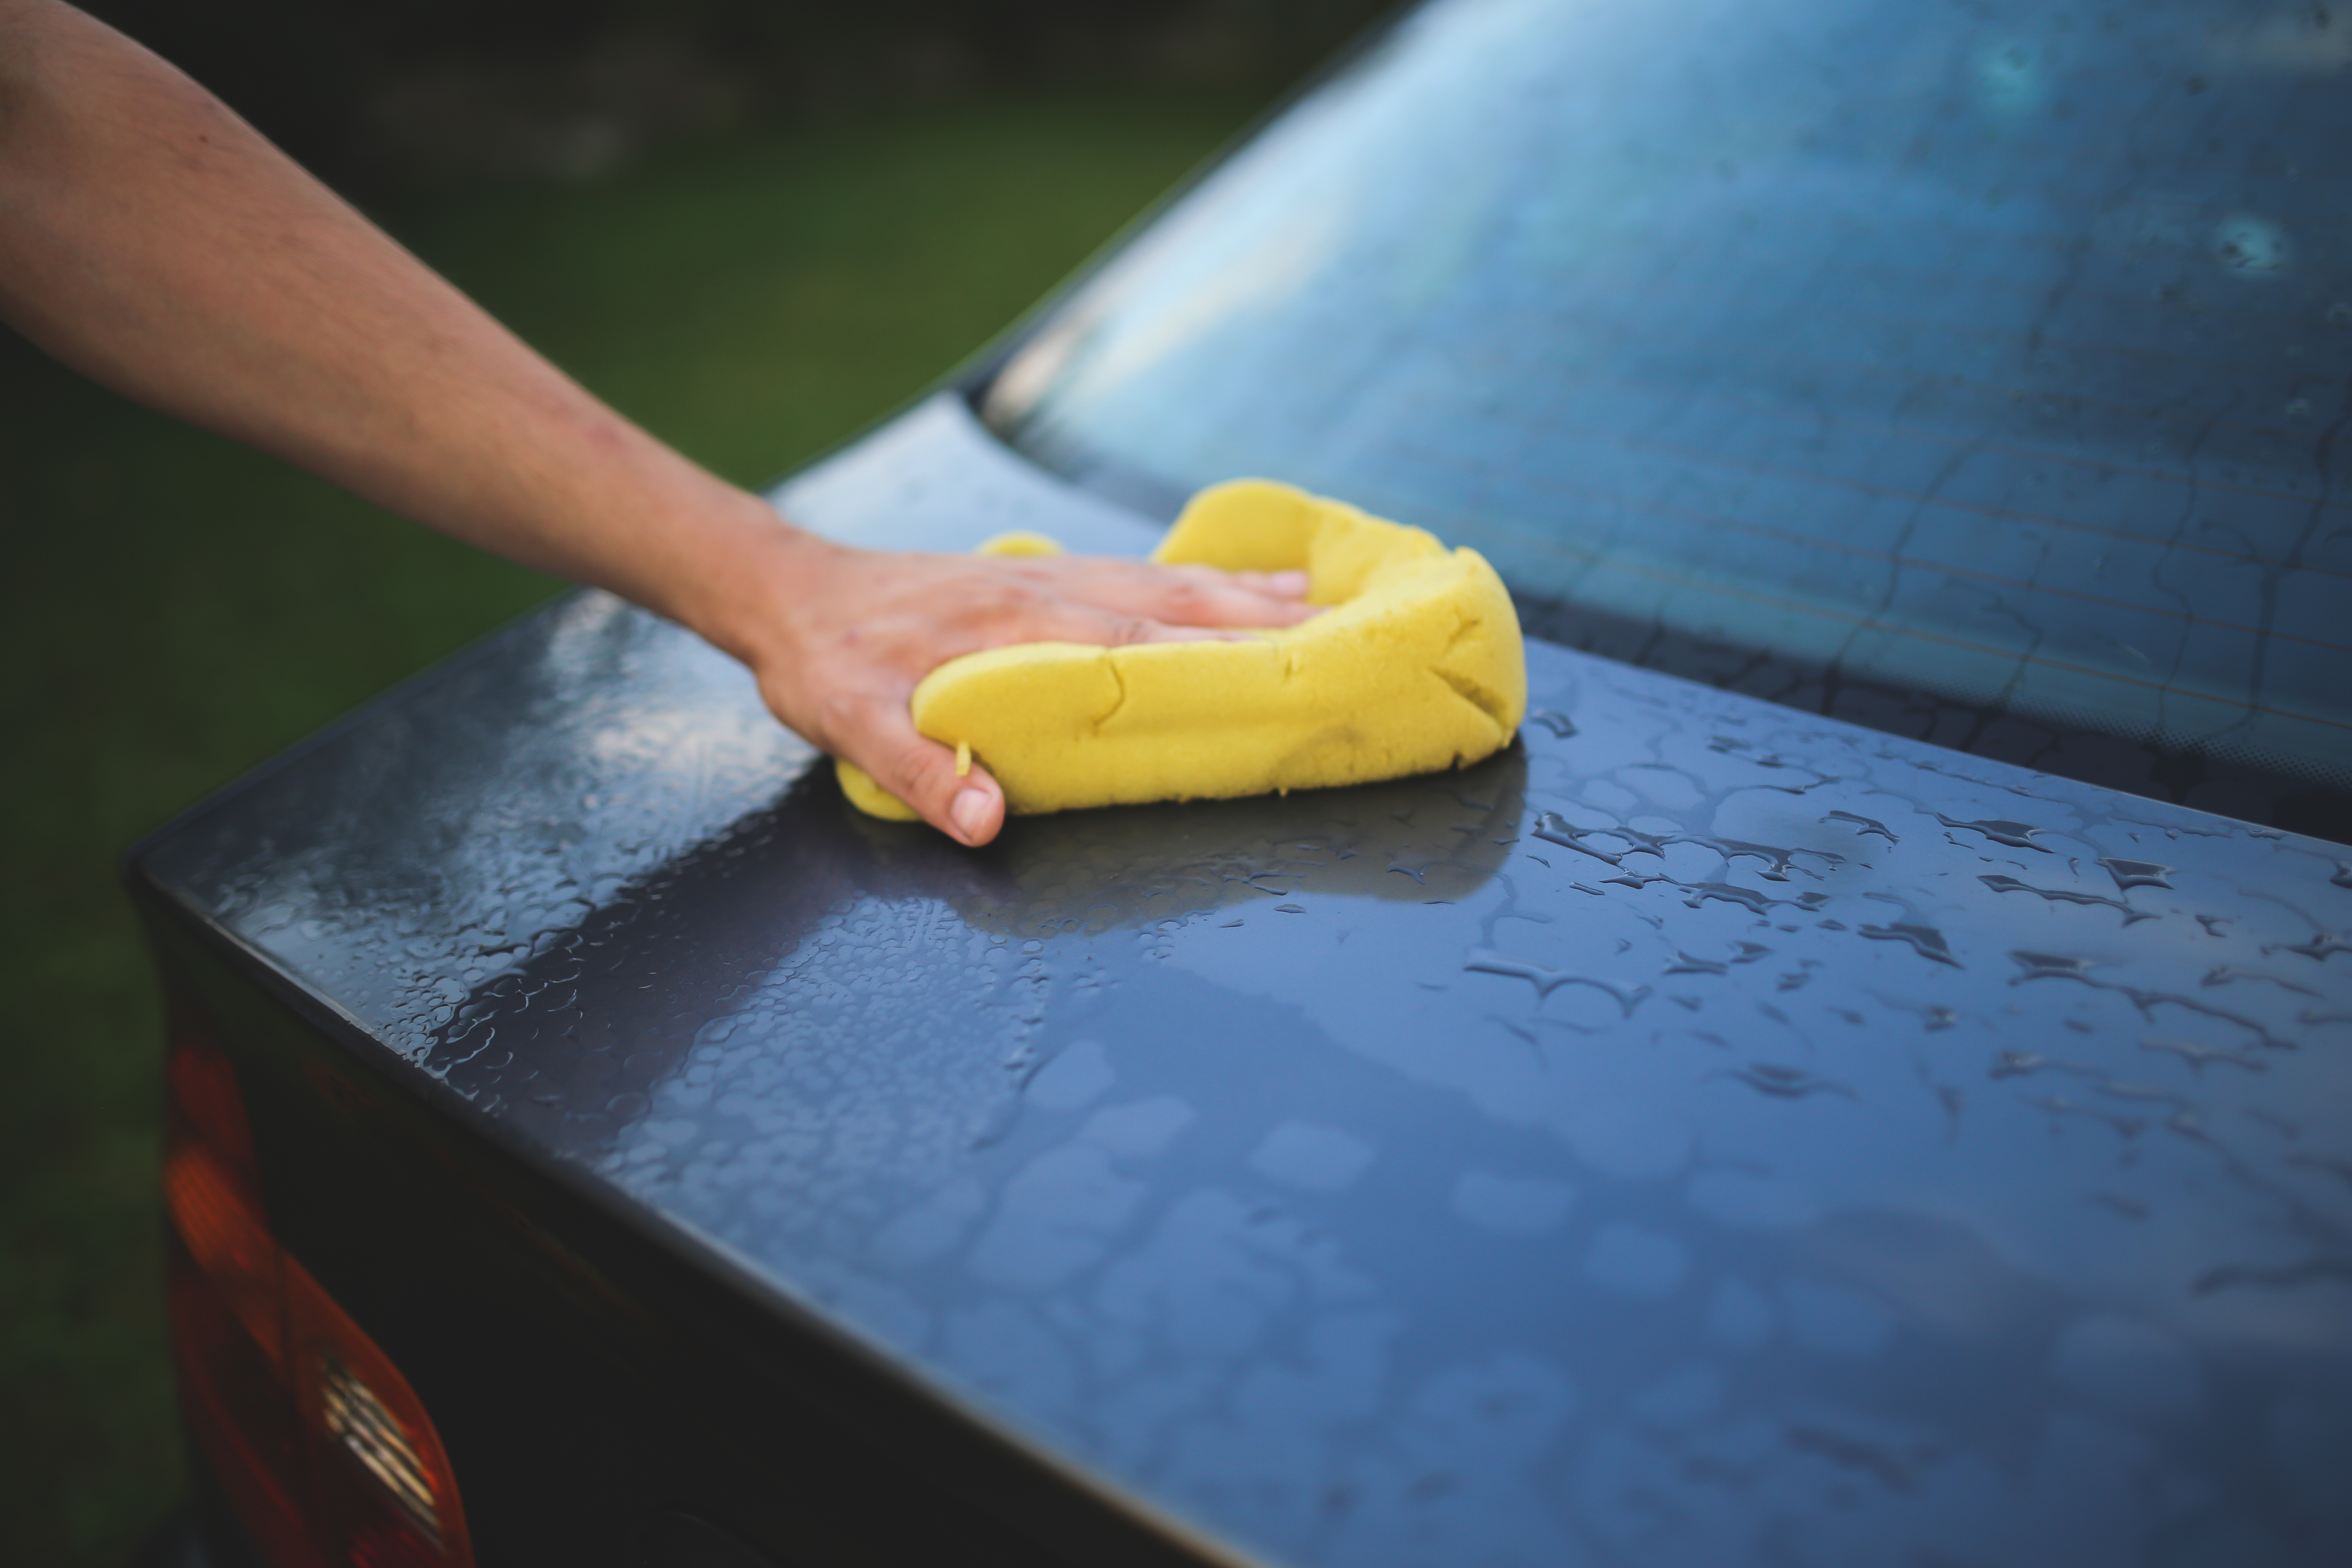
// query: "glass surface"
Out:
[1997,351]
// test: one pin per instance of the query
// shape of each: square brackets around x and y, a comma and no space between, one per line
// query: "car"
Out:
[1865,1077]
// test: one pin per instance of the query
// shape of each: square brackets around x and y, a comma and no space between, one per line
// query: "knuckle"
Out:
[1007,604]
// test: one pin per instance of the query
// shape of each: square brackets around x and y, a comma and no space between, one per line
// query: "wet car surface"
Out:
[1708,1131]
[1701,1125]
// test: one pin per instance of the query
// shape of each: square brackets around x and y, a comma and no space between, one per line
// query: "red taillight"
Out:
[317,1441]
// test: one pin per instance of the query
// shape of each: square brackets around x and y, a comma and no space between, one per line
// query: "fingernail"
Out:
[1291,582]
[969,813]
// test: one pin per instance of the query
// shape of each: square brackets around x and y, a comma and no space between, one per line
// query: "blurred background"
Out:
[754,227]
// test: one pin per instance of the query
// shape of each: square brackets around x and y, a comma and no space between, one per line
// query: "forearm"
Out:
[153,240]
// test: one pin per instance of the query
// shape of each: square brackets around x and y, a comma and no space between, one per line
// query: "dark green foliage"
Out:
[386,92]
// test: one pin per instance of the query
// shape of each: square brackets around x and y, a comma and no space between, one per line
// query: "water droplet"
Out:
[1746,897]
[1925,941]
[1554,829]
[2319,947]
[1558,723]
[2062,1105]
[2250,246]
[1868,824]
[2064,896]
[1778,861]
[2130,874]
[1786,1082]
[2014,835]
[2226,974]
[1487,961]
[2198,1055]
[2050,966]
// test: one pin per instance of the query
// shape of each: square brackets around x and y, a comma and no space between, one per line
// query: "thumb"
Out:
[923,775]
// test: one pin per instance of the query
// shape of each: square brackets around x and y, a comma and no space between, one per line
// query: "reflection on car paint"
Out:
[1672,1138]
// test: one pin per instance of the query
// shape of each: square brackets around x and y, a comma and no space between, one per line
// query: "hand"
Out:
[153,238]
[848,634]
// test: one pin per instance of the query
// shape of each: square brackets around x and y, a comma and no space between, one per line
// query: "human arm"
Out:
[153,240]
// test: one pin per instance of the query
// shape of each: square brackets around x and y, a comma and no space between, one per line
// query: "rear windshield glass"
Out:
[1997,351]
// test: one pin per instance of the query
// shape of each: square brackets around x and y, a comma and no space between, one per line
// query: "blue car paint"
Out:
[1705,1132]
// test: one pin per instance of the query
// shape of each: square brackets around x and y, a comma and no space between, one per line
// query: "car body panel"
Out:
[1705,1131]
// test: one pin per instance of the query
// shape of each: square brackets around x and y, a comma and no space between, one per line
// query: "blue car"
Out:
[1865,1078]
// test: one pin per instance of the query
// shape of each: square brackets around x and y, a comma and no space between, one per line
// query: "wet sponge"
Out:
[1414,664]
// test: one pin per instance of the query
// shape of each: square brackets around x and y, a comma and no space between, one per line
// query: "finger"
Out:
[920,772]
[1159,631]
[1215,598]
[1181,596]
[1274,584]
[1069,621]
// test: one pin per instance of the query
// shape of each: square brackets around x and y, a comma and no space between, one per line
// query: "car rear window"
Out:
[1996,351]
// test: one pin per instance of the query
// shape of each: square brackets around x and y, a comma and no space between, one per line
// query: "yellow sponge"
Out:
[1415,664]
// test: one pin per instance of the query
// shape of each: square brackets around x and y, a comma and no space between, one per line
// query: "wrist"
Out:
[749,584]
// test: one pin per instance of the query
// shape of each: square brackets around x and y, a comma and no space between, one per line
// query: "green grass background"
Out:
[174,609]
